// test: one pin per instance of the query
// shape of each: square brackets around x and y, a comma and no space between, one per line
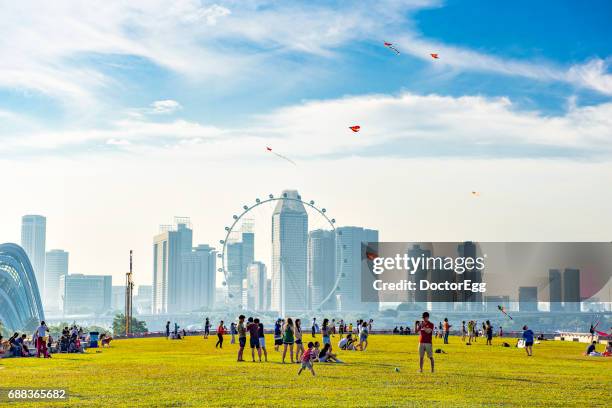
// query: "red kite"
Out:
[371,255]
[355,128]
[280,155]
[435,56]
[391,47]
[475,193]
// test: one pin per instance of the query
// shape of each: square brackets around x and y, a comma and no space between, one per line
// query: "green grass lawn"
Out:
[160,372]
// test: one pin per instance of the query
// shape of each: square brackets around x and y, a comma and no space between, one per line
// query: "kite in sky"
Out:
[391,47]
[434,56]
[355,128]
[281,156]
[475,193]
[503,310]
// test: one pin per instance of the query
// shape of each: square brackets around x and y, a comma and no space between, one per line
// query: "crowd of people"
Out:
[289,339]
[42,343]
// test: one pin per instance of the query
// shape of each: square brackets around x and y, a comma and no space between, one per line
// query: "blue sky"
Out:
[183,97]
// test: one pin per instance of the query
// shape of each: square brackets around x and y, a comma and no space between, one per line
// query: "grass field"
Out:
[160,372]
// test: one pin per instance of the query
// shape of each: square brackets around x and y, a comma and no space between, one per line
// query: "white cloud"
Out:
[118,142]
[404,125]
[591,75]
[165,106]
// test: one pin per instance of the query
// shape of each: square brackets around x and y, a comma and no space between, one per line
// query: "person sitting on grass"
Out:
[608,351]
[306,359]
[591,350]
[347,343]
[326,356]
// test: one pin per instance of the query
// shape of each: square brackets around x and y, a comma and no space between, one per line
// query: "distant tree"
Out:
[138,326]
[389,313]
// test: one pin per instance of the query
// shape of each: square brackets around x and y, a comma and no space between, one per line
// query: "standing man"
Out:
[425,329]
[41,344]
[446,326]
[167,329]
[314,327]
[206,328]
[241,336]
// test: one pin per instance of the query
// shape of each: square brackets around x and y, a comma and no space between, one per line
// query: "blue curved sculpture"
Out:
[20,305]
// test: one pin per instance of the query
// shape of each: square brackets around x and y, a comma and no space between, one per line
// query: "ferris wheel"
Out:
[248,209]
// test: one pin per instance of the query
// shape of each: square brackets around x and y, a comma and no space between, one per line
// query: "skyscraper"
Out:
[257,285]
[289,254]
[472,301]
[197,279]
[240,254]
[56,266]
[554,286]
[571,290]
[168,249]
[528,299]
[349,242]
[33,239]
[321,268]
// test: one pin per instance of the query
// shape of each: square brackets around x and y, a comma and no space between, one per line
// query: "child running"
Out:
[306,357]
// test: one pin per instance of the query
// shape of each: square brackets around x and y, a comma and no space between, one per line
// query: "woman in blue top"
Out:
[528,337]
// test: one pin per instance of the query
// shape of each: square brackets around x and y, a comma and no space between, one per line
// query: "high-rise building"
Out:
[289,254]
[240,254]
[118,298]
[555,293]
[33,240]
[143,299]
[268,294]
[321,269]
[528,299]
[571,290]
[234,271]
[197,279]
[257,283]
[349,258]
[168,249]
[56,266]
[84,294]
[468,300]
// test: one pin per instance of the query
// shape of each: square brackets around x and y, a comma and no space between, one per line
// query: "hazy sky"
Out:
[115,118]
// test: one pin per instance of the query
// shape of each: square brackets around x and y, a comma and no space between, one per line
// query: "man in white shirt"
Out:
[41,344]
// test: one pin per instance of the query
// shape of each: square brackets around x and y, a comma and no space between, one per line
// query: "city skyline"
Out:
[136,112]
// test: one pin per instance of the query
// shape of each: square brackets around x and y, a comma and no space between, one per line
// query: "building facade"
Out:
[289,254]
[20,302]
[85,294]
[197,279]
[56,266]
[257,283]
[33,241]
[168,249]
[349,258]
[321,269]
